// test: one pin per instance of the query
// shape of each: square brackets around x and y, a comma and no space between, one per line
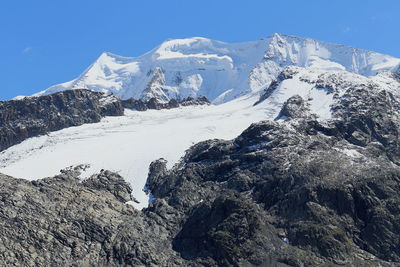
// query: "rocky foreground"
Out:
[291,192]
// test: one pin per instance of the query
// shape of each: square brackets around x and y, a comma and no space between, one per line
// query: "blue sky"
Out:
[45,42]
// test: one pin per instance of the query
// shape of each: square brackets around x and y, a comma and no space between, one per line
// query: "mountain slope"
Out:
[307,174]
[129,143]
[293,192]
[220,71]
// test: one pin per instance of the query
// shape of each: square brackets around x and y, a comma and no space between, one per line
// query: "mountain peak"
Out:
[277,35]
[220,71]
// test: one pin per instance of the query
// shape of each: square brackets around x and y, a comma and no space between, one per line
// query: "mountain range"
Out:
[195,67]
[279,152]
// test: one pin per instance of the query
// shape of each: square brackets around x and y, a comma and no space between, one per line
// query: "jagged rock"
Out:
[132,103]
[110,182]
[333,199]
[293,108]
[32,116]
[190,101]
[222,230]
[153,103]
[63,221]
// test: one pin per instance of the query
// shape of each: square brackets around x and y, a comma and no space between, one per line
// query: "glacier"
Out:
[129,143]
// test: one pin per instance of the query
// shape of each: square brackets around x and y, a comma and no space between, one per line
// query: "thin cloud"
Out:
[347,30]
[26,50]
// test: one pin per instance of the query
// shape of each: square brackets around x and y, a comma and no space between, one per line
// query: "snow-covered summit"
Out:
[220,71]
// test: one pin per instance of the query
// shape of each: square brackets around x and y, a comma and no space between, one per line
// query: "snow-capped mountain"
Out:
[128,144]
[236,76]
[298,162]
[220,71]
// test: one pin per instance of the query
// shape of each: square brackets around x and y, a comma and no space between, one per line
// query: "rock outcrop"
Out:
[32,116]
[293,193]
[293,108]
[153,103]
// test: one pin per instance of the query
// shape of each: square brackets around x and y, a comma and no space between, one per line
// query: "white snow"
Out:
[322,64]
[172,49]
[320,101]
[128,144]
[104,101]
[19,97]
[321,89]
[350,152]
[220,71]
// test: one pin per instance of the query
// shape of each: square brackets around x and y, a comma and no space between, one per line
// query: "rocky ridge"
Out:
[32,116]
[153,103]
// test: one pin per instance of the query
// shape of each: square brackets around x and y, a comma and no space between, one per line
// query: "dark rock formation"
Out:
[297,193]
[190,101]
[62,221]
[132,103]
[153,103]
[294,107]
[32,116]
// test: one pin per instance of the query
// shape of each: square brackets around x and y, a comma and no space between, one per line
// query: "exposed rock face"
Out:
[294,107]
[62,221]
[296,193]
[330,200]
[153,103]
[32,116]
[191,101]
